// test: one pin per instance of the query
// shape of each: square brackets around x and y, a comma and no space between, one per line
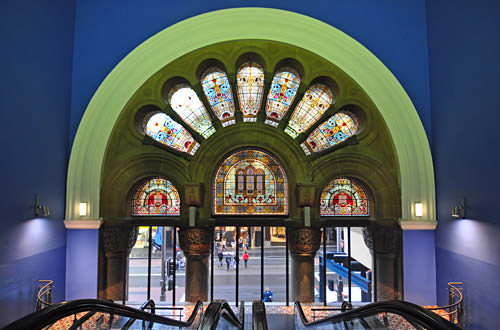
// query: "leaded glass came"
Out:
[250,182]
[250,82]
[337,129]
[156,197]
[284,87]
[186,103]
[165,130]
[344,197]
[317,99]
[218,91]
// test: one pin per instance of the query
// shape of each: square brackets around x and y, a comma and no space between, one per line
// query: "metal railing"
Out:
[454,311]
[44,296]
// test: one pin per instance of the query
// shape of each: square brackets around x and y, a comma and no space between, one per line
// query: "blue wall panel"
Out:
[464,48]
[81,265]
[419,267]
[35,85]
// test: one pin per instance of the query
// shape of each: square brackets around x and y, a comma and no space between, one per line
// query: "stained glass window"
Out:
[218,91]
[250,81]
[337,129]
[317,99]
[284,87]
[344,197]
[156,197]
[250,182]
[170,133]
[184,100]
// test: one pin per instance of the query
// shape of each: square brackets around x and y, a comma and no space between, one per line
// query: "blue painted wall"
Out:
[419,267]
[464,52]
[35,86]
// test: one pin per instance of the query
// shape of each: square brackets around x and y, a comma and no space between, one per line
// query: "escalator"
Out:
[377,315]
[101,314]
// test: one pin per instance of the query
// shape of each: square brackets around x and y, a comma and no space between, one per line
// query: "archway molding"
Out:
[406,130]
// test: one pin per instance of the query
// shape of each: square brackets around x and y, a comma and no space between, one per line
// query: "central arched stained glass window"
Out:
[250,182]
[156,197]
[344,197]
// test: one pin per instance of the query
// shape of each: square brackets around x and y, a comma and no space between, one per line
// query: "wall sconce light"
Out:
[40,210]
[83,209]
[458,211]
[419,209]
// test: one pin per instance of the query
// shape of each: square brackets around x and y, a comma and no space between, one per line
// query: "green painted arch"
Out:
[408,135]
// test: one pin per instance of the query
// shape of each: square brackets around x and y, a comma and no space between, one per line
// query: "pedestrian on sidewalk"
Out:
[220,255]
[245,258]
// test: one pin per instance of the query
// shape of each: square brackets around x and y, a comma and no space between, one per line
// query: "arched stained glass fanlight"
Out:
[250,182]
[284,87]
[335,130]
[218,91]
[156,197]
[186,103]
[344,197]
[165,130]
[250,81]
[317,99]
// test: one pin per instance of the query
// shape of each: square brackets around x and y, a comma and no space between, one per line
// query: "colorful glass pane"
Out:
[250,182]
[156,197]
[186,103]
[344,197]
[163,129]
[284,87]
[218,91]
[250,81]
[337,129]
[317,99]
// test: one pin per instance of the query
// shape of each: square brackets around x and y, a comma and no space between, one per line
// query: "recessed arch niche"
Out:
[87,159]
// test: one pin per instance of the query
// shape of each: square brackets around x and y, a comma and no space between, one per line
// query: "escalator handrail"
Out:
[51,314]
[150,304]
[215,310]
[259,318]
[417,313]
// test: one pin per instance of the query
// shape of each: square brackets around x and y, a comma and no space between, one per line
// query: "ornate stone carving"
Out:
[304,241]
[118,238]
[195,241]
[305,194]
[193,193]
[386,237]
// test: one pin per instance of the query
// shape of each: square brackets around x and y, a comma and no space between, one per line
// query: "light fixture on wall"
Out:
[83,209]
[458,211]
[419,209]
[40,210]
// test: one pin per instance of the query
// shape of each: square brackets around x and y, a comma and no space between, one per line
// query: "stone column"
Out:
[383,238]
[117,242]
[303,244]
[196,243]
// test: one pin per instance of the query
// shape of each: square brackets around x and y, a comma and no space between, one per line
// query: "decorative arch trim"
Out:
[407,132]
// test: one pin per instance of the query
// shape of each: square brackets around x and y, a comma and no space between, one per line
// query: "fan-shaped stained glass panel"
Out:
[344,197]
[250,182]
[186,103]
[165,130]
[250,81]
[284,87]
[317,99]
[337,129]
[156,197]
[218,91]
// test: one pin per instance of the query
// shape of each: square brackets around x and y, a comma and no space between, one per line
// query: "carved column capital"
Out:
[385,236]
[304,241]
[195,241]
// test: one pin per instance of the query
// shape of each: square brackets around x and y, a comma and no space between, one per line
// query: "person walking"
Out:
[228,261]
[245,258]
[220,255]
